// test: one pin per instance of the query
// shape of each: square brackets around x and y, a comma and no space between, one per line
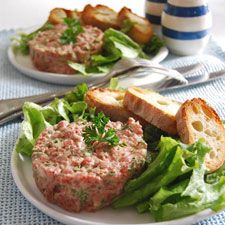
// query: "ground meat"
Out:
[50,55]
[77,178]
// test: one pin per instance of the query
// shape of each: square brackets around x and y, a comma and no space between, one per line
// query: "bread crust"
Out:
[141,30]
[97,97]
[57,16]
[195,120]
[100,16]
[150,111]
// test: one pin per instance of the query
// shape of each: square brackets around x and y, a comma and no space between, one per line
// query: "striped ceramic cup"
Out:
[153,12]
[186,26]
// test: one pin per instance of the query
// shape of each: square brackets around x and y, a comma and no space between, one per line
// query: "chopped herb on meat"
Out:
[81,194]
[70,34]
[96,132]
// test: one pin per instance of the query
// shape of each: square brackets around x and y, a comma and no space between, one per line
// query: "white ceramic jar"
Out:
[186,26]
[153,12]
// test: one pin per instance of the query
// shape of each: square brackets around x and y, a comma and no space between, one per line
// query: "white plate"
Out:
[25,66]
[22,174]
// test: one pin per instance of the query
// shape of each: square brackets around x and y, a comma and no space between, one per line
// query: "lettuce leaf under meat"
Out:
[37,118]
[116,45]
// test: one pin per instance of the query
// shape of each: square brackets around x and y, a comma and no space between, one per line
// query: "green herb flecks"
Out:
[96,132]
[21,44]
[70,34]
[81,194]
[154,45]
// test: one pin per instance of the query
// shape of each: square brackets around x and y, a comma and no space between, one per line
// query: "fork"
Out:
[12,108]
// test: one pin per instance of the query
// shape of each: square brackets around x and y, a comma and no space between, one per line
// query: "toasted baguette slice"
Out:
[100,16]
[110,102]
[73,14]
[195,120]
[141,29]
[152,107]
[57,16]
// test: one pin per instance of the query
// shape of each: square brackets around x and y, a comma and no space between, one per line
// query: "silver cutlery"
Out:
[196,80]
[12,108]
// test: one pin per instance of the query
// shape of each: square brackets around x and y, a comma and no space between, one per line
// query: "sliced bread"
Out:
[195,120]
[100,16]
[138,28]
[156,109]
[110,102]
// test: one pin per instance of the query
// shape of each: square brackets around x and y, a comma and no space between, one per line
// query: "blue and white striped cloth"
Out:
[186,26]
[14,208]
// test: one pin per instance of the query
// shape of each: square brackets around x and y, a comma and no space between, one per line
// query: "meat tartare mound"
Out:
[50,55]
[75,177]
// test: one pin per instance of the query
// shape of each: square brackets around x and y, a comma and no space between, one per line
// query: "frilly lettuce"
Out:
[37,118]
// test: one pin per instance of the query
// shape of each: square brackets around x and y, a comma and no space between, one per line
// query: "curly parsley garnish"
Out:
[70,34]
[96,132]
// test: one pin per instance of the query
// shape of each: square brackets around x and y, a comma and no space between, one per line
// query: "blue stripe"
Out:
[186,11]
[158,1]
[184,35]
[153,19]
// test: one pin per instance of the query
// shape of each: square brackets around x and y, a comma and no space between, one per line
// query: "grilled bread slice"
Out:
[57,15]
[152,107]
[139,28]
[73,14]
[195,120]
[100,16]
[110,102]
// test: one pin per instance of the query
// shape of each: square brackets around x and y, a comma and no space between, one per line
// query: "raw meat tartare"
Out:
[50,55]
[75,177]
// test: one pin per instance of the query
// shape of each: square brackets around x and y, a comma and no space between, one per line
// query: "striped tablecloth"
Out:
[14,208]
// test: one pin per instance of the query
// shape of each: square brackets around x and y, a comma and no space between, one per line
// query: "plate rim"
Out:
[41,75]
[59,216]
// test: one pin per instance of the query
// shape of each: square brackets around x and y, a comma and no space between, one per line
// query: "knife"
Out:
[193,80]
[170,85]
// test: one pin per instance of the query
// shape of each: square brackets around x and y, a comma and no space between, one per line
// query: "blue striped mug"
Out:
[153,12]
[186,26]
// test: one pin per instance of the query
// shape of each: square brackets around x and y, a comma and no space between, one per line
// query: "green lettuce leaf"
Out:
[167,148]
[81,68]
[193,194]
[125,44]
[116,45]
[160,173]
[34,123]
[153,46]
[37,118]
[21,44]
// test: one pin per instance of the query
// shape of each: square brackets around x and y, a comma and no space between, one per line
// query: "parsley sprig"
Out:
[96,132]
[70,34]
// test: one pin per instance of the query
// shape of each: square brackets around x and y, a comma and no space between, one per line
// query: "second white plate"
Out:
[25,66]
